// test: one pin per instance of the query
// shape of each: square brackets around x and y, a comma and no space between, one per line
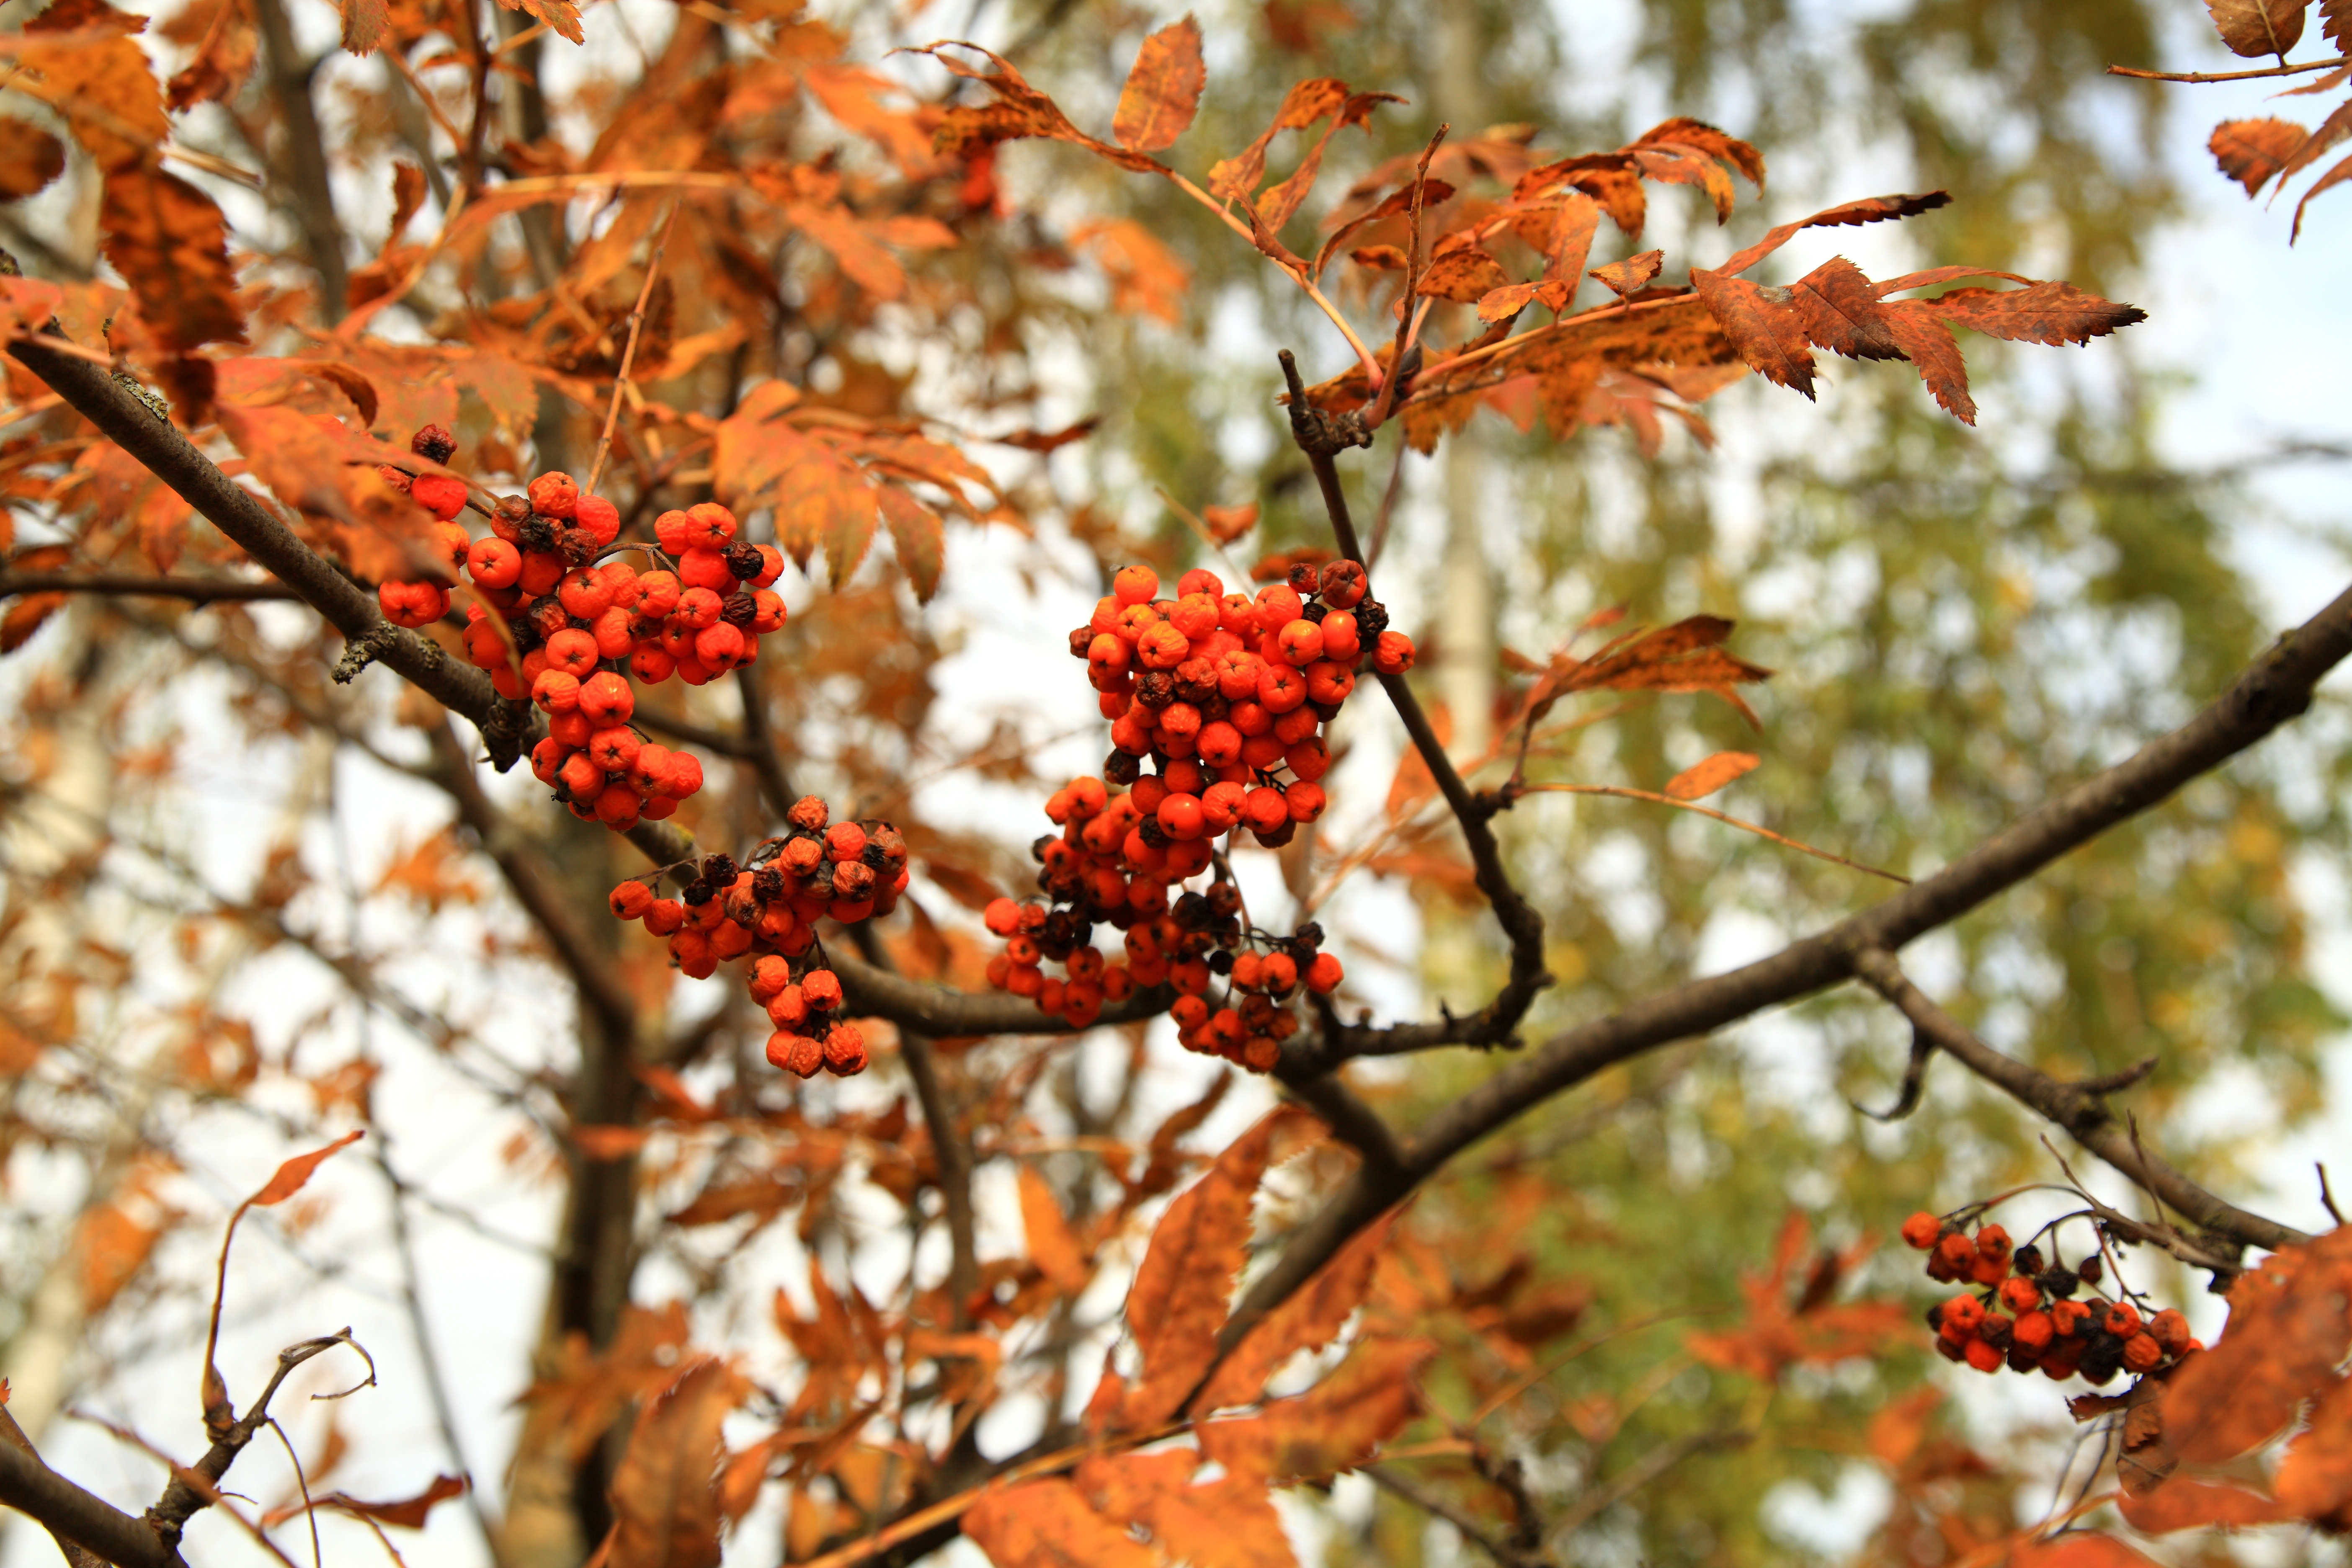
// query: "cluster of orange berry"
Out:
[568,623]
[1193,946]
[2024,1316]
[767,906]
[1227,694]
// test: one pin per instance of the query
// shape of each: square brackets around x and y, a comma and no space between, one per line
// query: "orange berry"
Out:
[2169,1329]
[1921,1230]
[1985,1357]
[1135,585]
[845,1049]
[1956,1251]
[1324,974]
[822,987]
[630,901]
[2021,1295]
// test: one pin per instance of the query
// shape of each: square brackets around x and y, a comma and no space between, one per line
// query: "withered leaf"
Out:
[2251,150]
[1177,1303]
[29,158]
[1841,313]
[1503,303]
[1334,1426]
[1163,89]
[2079,1549]
[665,1493]
[170,242]
[918,536]
[1052,1246]
[1236,178]
[25,616]
[1308,1319]
[2183,1504]
[99,83]
[2331,131]
[1699,782]
[2335,176]
[1226,1523]
[365,22]
[1761,323]
[2049,313]
[409,1513]
[2287,1330]
[1870,209]
[2251,27]
[1146,277]
[2314,1480]
[295,1173]
[1621,277]
[1464,276]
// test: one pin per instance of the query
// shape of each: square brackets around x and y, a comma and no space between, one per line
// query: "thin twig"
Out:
[2327,1199]
[629,354]
[310,1508]
[197,589]
[1709,811]
[2297,70]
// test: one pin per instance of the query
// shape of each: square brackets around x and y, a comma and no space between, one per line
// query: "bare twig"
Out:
[2298,68]
[1389,1480]
[629,354]
[1640,1474]
[2327,1199]
[1691,806]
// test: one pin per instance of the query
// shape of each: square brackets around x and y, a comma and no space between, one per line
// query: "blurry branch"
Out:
[1640,1473]
[196,1486]
[2079,1108]
[949,1150]
[533,883]
[197,589]
[1473,1530]
[12,1437]
[73,1515]
[314,199]
[758,743]
[506,728]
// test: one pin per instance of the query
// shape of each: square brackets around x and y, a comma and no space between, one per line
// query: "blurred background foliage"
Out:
[1963,622]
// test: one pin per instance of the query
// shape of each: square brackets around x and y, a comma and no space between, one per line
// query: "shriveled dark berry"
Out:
[2026,1261]
[1081,639]
[576,545]
[1122,768]
[1152,833]
[1304,578]
[1155,688]
[1316,611]
[1224,898]
[536,535]
[1193,912]
[1037,845]
[767,884]
[1372,620]
[1310,936]
[738,609]
[433,443]
[698,893]
[1220,962]
[2090,1270]
[514,511]
[744,560]
[720,871]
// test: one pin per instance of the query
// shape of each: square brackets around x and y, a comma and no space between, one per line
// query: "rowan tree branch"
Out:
[2079,1108]
[2276,687]
[197,589]
[83,1518]
[306,156]
[508,728]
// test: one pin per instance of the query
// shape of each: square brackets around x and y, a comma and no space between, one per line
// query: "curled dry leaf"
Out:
[2251,150]
[2253,27]
[1622,277]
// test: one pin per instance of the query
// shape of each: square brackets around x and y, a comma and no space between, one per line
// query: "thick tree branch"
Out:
[196,590]
[88,1520]
[508,728]
[2274,689]
[2079,1108]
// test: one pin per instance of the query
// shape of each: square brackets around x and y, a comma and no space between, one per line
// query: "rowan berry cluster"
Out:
[1201,943]
[1238,688]
[560,616]
[767,906]
[2025,1314]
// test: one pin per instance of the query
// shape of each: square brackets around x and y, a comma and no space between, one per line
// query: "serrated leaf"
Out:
[2251,150]
[1163,89]
[665,1489]
[918,536]
[1046,1524]
[1337,1425]
[1308,1319]
[2253,27]
[170,242]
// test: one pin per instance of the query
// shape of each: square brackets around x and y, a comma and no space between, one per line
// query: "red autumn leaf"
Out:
[1870,209]
[86,66]
[2079,1549]
[665,1492]
[2048,313]
[1163,89]
[294,1173]
[1237,178]
[1464,276]
[2251,150]
[1787,1324]
[1336,1425]
[1705,778]
[1758,319]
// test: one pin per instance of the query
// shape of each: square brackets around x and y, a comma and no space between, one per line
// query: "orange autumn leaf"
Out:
[409,1513]
[170,242]
[1229,1522]
[1052,1246]
[2251,150]
[2314,1479]
[1046,1524]
[1177,1303]
[1703,779]
[2287,1330]
[2079,1549]
[1337,1425]
[295,1173]
[2183,1504]
[1307,1320]
[1163,90]
[665,1492]
[1791,1321]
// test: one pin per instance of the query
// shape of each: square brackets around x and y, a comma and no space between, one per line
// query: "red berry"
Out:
[1324,974]
[555,495]
[439,494]
[1921,1230]
[630,901]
